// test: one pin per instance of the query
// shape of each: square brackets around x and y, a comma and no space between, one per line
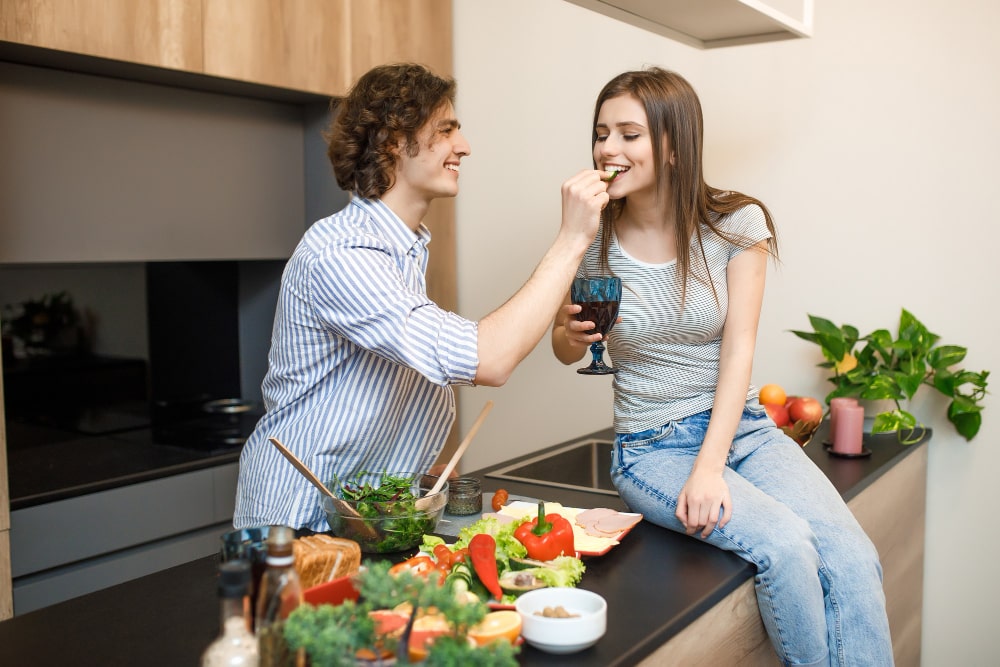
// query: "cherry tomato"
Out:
[499,499]
[459,556]
[443,554]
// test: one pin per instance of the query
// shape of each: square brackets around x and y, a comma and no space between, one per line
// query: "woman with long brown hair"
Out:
[695,451]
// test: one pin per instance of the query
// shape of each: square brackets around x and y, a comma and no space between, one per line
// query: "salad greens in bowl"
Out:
[380,511]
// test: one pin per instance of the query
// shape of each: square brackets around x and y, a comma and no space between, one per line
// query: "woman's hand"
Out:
[575,331]
[703,499]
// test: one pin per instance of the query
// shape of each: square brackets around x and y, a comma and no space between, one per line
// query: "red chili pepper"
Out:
[483,554]
[546,537]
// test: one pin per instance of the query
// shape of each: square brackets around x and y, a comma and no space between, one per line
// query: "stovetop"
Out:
[56,457]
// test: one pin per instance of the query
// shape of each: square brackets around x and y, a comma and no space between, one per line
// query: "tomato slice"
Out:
[421,565]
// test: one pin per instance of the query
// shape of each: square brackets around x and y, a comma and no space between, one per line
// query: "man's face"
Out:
[433,171]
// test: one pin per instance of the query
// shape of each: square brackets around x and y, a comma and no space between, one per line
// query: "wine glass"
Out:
[600,298]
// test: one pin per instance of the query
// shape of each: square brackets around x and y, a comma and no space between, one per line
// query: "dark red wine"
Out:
[601,313]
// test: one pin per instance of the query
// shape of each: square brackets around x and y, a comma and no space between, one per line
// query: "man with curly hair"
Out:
[362,362]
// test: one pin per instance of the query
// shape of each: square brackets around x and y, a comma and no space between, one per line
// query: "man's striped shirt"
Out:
[360,366]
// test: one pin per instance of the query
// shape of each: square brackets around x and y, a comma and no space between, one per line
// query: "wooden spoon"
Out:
[423,503]
[343,507]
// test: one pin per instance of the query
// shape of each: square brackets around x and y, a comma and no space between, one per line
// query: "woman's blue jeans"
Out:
[819,580]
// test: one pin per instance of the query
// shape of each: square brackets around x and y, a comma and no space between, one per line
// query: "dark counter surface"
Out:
[656,582]
[46,465]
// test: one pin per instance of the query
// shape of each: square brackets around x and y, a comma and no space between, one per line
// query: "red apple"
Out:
[806,409]
[779,413]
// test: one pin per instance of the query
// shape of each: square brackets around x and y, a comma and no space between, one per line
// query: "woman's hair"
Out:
[387,104]
[674,113]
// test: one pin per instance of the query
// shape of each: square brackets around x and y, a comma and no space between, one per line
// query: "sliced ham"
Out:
[590,517]
[605,522]
[617,523]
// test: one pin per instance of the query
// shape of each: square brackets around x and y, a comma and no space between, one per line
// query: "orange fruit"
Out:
[420,643]
[772,394]
[502,624]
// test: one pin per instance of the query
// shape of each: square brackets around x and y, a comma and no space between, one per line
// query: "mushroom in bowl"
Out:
[562,620]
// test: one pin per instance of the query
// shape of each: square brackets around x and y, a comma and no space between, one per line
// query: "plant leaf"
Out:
[945,356]
[966,423]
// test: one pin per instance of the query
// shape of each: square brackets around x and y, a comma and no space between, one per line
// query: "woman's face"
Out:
[624,144]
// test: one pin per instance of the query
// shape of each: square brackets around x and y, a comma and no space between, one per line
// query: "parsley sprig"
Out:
[332,635]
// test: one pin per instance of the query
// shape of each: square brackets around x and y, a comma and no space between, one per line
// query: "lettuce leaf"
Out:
[503,532]
[562,571]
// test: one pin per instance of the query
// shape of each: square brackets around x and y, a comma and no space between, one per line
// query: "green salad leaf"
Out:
[562,571]
[508,546]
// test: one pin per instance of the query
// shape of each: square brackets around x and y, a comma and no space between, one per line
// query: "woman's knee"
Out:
[790,545]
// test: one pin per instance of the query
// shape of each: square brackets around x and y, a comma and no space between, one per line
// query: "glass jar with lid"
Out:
[465,496]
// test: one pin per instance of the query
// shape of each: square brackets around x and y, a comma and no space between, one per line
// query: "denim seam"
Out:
[835,606]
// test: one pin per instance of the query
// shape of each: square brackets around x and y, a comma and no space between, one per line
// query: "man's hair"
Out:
[388,104]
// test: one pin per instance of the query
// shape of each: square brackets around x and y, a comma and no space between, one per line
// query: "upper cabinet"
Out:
[298,44]
[163,33]
[314,46]
[386,31]
[713,23]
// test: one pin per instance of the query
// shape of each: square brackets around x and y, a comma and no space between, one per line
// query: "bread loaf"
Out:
[322,558]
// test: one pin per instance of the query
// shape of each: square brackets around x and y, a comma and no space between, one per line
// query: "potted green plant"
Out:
[880,366]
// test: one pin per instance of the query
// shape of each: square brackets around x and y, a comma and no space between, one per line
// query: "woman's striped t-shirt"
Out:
[668,360]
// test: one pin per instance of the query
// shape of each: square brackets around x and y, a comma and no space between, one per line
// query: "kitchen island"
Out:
[671,599]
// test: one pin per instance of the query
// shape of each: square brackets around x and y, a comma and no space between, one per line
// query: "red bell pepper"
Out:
[546,537]
[483,554]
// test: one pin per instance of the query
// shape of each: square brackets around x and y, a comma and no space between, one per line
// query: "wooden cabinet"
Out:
[297,44]
[385,31]
[322,46]
[316,46]
[164,33]
[892,511]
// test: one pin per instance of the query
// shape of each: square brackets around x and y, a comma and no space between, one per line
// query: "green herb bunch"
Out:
[881,366]
[332,634]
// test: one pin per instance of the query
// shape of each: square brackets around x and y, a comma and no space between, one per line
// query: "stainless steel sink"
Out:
[583,465]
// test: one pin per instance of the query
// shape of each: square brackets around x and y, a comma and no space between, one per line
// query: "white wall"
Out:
[873,143]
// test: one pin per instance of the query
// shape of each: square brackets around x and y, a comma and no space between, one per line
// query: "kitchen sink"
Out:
[583,465]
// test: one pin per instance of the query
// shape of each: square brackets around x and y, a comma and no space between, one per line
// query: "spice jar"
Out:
[465,496]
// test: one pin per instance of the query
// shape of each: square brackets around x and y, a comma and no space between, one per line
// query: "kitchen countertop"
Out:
[49,465]
[656,583]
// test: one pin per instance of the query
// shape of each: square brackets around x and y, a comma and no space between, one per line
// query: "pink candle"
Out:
[850,427]
[835,405]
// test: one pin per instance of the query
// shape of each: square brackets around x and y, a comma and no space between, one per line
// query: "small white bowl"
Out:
[562,635]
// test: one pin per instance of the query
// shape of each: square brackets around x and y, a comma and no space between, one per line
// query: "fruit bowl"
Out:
[801,431]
